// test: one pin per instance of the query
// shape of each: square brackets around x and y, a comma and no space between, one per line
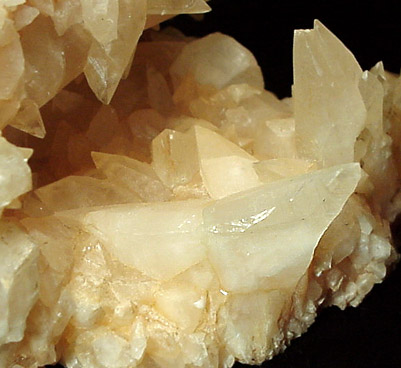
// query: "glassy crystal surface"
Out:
[194,219]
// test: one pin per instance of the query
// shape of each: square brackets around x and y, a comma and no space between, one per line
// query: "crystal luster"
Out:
[196,220]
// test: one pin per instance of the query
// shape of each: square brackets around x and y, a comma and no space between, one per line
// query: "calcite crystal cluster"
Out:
[196,220]
[45,44]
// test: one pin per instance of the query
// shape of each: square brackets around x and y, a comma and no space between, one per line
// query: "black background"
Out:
[371,30]
[368,336]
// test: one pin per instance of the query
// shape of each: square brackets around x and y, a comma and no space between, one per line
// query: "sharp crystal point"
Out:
[195,220]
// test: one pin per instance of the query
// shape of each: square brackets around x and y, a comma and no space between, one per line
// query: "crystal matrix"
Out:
[196,220]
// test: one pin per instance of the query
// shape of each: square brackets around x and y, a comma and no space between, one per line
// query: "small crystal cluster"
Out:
[45,44]
[197,220]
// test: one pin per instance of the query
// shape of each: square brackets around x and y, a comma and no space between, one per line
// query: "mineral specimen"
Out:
[196,220]
[44,45]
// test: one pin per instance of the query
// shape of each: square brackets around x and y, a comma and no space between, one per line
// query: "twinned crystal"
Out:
[195,220]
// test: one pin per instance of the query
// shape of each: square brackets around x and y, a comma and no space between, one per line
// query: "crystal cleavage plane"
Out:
[195,219]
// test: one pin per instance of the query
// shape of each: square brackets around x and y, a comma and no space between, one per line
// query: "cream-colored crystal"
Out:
[134,175]
[107,61]
[44,45]
[174,157]
[196,220]
[18,281]
[15,175]
[264,239]
[325,132]
[175,7]
[143,236]
[81,191]
[280,168]
[218,60]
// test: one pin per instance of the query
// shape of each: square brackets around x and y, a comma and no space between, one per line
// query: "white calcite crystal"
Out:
[19,281]
[45,44]
[196,220]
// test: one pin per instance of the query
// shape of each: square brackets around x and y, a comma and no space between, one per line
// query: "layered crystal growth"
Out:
[196,220]
[45,44]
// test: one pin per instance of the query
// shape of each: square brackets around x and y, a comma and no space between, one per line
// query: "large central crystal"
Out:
[196,220]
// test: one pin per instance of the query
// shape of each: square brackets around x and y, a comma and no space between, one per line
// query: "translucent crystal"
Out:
[19,281]
[218,60]
[320,123]
[107,62]
[81,191]
[177,7]
[196,220]
[15,174]
[134,175]
[247,232]
[51,43]
[144,236]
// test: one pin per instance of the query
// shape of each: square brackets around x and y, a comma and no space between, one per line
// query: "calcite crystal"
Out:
[196,220]
[45,44]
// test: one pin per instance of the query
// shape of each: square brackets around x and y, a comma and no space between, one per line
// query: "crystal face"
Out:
[196,220]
